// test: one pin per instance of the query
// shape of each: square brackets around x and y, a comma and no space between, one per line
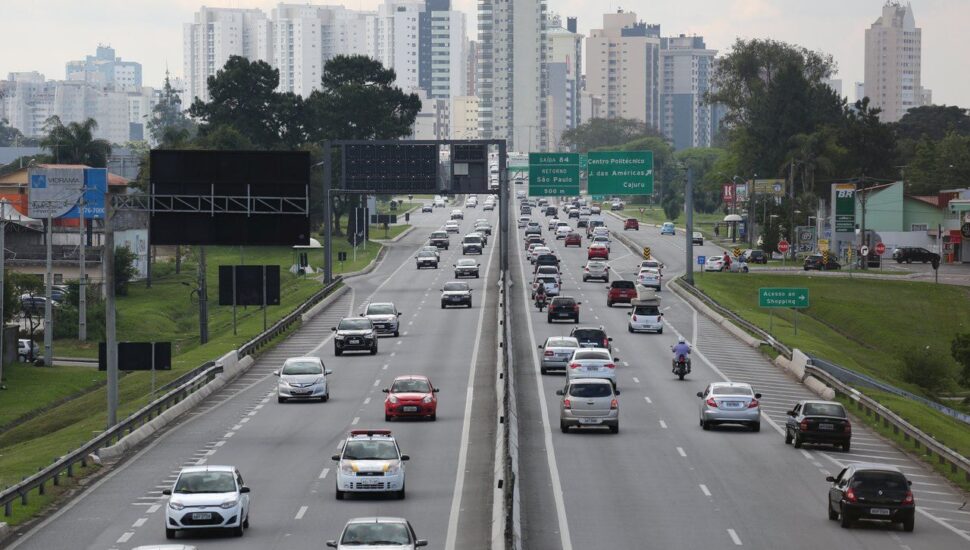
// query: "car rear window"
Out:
[824,409]
[597,355]
[588,335]
[732,390]
[878,480]
[439,235]
[564,302]
[590,390]
[623,284]
[561,343]
[646,310]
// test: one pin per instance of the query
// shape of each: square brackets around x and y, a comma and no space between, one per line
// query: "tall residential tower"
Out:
[893,54]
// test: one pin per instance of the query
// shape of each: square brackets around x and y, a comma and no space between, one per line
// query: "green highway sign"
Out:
[783,297]
[553,174]
[621,173]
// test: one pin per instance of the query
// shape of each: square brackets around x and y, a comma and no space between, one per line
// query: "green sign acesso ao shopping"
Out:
[783,297]
[553,174]
[621,173]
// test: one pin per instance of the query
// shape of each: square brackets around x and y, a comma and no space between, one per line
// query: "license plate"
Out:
[879,511]
[300,392]
[455,298]
[732,404]
[353,341]
[826,426]
[201,515]
[380,326]
[589,420]
[409,409]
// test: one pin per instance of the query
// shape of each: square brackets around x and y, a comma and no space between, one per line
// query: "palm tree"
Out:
[75,143]
[815,152]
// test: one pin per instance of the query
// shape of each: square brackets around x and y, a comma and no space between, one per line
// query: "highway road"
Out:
[283,450]
[663,482]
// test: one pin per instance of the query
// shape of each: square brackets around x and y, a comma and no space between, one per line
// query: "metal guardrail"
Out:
[184,386]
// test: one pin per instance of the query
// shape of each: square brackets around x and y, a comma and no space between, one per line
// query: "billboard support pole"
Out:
[82,302]
[234,300]
[689,207]
[111,343]
[203,300]
[153,368]
[3,294]
[327,212]
[264,297]
[48,286]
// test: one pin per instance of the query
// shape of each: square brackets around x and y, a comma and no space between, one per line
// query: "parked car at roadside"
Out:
[815,262]
[910,254]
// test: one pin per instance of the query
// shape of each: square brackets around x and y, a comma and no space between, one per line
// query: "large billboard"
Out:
[843,200]
[56,191]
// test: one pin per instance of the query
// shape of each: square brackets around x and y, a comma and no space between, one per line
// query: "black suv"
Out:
[871,491]
[818,422]
[754,256]
[440,239]
[592,337]
[550,211]
[563,307]
[910,254]
[354,333]
[815,262]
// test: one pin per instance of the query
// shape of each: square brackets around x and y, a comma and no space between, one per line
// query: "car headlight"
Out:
[339,337]
[346,468]
[284,382]
[391,399]
[393,468]
[427,399]
[175,505]
[230,503]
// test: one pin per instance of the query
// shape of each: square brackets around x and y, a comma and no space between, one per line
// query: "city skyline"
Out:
[136,29]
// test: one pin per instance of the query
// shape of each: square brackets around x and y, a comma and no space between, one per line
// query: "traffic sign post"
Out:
[880,248]
[646,253]
[701,260]
[772,298]
[620,173]
[553,174]
[737,252]
[783,247]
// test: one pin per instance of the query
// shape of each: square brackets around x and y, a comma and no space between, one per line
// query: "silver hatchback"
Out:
[596,269]
[589,402]
[730,403]
[556,353]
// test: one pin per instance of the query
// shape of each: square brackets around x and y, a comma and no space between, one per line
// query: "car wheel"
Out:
[246,521]
[615,429]
[629,329]
[170,533]
[373,350]
[609,303]
[756,427]
[340,494]
[469,304]
[237,531]
[563,427]
[543,370]
[845,447]
[434,416]
[661,331]
[788,439]
[549,319]
[388,418]
[400,494]
[909,523]
[397,333]
[797,441]
[846,521]
[576,321]
[442,306]
[325,398]
[280,399]
[337,351]
[705,425]
[833,515]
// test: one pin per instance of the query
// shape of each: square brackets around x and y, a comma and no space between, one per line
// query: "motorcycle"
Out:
[681,366]
[541,301]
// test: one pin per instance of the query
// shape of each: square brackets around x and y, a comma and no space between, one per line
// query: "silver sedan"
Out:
[730,403]
[556,352]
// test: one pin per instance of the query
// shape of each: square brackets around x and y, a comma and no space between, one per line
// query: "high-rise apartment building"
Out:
[512,73]
[214,36]
[464,117]
[686,116]
[623,67]
[398,35]
[893,62]
[442,51]
[106,71]
[471,68]
[564,73]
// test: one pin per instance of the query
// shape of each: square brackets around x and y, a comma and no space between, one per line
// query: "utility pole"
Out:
[111,341]
[327,213]
[48,286]
[503,208]
[3,282]
[689,207]
[203,300]
[862,231]
[82,303]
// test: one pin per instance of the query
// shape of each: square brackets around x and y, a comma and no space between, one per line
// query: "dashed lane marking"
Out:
[301,512]
[705,490]
[734,537]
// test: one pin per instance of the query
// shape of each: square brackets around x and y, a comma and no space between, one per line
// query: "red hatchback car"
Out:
[411,396]
[621,292]
[573,239]
[631,223]
[598,251]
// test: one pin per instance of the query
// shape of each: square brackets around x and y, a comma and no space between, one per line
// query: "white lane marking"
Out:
[393,353]
[705,490]
[625,364]
[138,523]
[398,343]
[384,367]
[229,434]
[236,427]
[452,533]
[153,508]
[648,399]
[301,512]
[220,443]
[323,474]
[124,538]
[734,537]
[807,454]
[366,401]
[377,382]
[252,413]
[260,406]
[636,380]
[663,424]
[680,451]
[564,538]
[355,421]
[243,420]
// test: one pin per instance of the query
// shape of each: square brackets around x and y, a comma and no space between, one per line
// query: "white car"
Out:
[538,251]
[551,283]
[439,202]
[370,462]
[27,349]
[714,263]
[645,317]
[601,239]
[523,221]
[471,202]
[563,230]
[651,264]
[553,223]
[432,249]
[452,226]
[377,532]
[650,278]
[302,378]
[207,497]
[385,317]
[592,363]
[549,270]
[600,230]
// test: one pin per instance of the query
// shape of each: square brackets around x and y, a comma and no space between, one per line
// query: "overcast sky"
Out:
[42,35]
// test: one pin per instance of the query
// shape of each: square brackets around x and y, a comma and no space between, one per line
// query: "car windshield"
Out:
[824,409]
[302,367]
[439,235]
[466,263]
[591,355]
[361,534]
[354,324]
[455,287]
[381,309]
[472,239]
[732,390]
[370,450]
[561,343]
[878,480]
[427,254]
[413,385]
[590,390]
[623,284]
[205,482]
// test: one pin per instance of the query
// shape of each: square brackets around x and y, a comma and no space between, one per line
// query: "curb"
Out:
[324,304]
[370,267]
[395,239]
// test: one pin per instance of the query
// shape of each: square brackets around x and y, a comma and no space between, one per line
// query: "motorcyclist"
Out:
[540,295]
[681,348]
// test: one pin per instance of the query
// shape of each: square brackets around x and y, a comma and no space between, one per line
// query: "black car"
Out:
[525,210]
[546,259]
[592,337]
[426,259]
[910,254]
[440,239]
[871,491]
[818,422]
[550,211]
[354,334]
[574,213]
[815,262]
[562,308]
[754,256]
[456,294]
[466,268]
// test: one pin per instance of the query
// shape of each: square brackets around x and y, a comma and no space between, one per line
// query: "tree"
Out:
[933,122]
[168,126]
[10,136]
[707,184]
[960,350]
[814,153]
[125,269]
[870,143]
[75,143]
[601,132]
[242,97]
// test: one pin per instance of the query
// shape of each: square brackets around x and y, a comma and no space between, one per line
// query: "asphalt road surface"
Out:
[663,482]
[283,450]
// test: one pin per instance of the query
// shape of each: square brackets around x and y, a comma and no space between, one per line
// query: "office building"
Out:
[564,73]
[464,117]
[104,70]
[893,62]
[686,117]
[434,119]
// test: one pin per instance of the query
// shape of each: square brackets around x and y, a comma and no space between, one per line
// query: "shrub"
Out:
[928,369]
